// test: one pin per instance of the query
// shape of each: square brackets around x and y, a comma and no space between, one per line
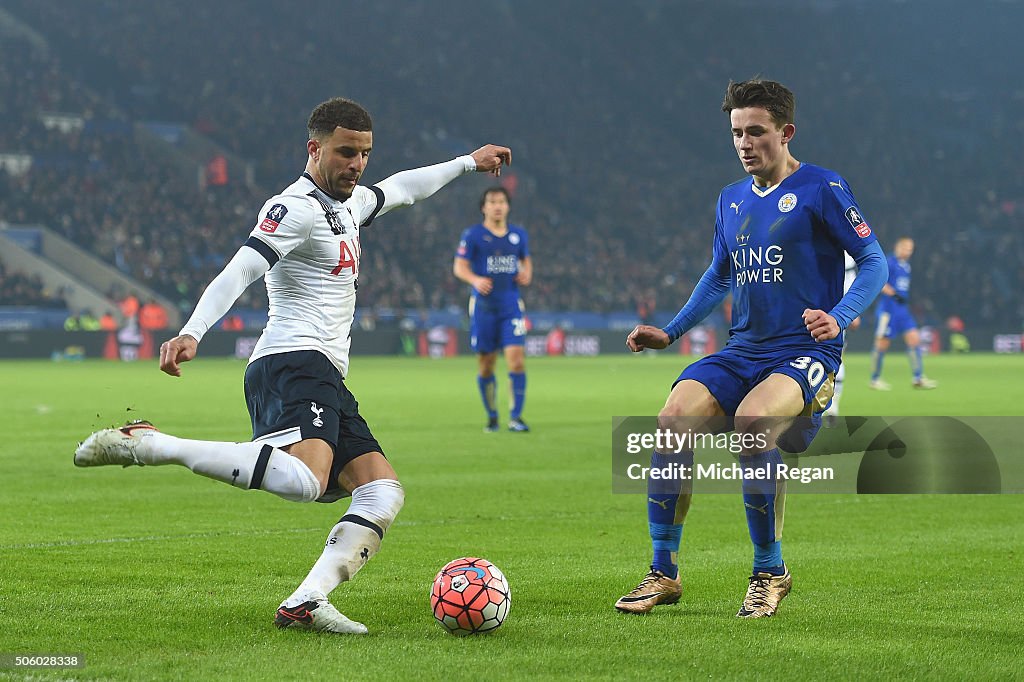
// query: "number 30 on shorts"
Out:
[815,370]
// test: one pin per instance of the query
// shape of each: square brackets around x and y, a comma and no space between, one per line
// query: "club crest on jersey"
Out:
[787,203]
[274,217]
[513,238]
[857,222]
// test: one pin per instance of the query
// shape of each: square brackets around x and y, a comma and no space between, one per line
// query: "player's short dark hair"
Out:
[338,112]
[495,190]
[774,97]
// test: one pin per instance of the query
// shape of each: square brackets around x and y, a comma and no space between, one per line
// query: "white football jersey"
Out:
[311,241]
[851,272]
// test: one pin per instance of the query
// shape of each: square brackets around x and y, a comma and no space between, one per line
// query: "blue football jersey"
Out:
[899,279]
[497,258]
[899,276]
[783,248]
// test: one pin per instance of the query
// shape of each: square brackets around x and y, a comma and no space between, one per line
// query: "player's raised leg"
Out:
[250,466]
[377,497]
[668,501]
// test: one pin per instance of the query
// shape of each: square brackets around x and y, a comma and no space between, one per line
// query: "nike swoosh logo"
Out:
[299,616]
[629,600]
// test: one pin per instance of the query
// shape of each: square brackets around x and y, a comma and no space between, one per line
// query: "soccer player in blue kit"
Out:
[778,248]
[894,317]
[493,257]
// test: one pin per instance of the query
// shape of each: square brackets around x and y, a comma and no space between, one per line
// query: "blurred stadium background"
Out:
[147,135]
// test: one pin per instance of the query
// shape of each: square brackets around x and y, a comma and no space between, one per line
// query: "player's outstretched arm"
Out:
[409,186]
[645,336]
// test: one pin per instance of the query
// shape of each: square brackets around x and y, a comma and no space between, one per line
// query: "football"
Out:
[470,596]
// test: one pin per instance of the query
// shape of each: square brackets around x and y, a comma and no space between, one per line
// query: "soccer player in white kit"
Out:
[309,441]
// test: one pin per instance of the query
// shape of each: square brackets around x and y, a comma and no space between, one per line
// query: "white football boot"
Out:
[113,446]
[318,614]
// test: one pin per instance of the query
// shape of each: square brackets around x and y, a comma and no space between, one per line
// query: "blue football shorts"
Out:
[492,329]
[730,374]
[893,320]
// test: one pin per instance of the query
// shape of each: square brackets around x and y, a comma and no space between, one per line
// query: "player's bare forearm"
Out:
[176,351]
[464,273]
[821,325]
[525,274]
[645,336]
[491,157]
[888,289]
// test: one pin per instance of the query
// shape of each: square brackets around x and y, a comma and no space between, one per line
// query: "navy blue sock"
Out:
[665,513]
[518,380]
[760,497]
[488,389]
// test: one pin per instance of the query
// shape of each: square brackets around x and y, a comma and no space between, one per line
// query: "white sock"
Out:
[837,392]
[250,466]
[354,540]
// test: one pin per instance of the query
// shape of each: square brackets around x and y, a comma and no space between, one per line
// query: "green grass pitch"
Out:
[161,574]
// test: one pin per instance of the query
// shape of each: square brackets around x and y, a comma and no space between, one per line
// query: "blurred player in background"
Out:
[778,246]
[309,440]
[894,317]
[493,258]
[831,414]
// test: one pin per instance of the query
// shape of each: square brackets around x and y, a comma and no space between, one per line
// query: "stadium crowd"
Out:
[20,289]
[616,191]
